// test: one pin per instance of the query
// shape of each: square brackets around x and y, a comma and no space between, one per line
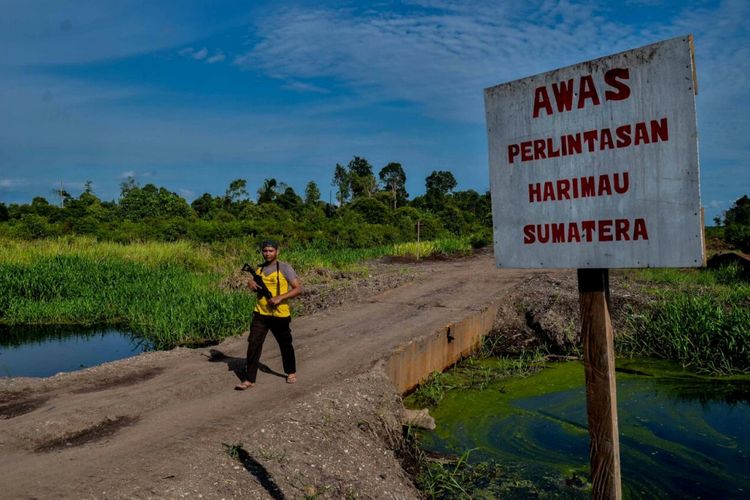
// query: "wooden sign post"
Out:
[594,167]
[601,394]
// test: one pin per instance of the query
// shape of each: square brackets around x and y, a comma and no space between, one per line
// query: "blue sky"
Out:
[191,95]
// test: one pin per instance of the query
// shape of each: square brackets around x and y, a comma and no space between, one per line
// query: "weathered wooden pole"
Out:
[418,239]
[601,393]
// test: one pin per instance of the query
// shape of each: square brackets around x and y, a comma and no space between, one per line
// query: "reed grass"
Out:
[435,248]
[168,293]
[702,320]
[166,303]
[193,257]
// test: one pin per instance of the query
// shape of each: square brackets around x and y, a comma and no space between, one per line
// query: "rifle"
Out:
[263,291]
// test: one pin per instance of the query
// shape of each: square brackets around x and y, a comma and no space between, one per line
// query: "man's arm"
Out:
[296,289]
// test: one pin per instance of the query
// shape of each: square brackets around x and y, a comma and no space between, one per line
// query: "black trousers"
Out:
[280,328]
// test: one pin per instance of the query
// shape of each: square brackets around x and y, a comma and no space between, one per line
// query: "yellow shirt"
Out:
[278,280]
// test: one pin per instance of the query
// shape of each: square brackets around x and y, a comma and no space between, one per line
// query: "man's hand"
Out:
[252,285]
[275,301]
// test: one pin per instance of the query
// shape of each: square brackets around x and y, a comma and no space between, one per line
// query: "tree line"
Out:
[734,224]
[370,210]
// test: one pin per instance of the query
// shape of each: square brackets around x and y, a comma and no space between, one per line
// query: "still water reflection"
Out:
[45,351]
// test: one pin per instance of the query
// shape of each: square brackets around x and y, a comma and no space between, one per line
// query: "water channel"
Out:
[681,435]
[44,351]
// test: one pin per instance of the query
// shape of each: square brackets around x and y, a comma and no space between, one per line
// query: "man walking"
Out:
[272,314]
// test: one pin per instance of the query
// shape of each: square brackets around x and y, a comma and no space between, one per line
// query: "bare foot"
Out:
[291,378]
[246,384]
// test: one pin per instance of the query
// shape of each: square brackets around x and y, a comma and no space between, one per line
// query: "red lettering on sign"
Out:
[513,151]
[612,78]
[539,149]
[526,151]
[541,101]
[563,93]
[659,130]
[573,234]
[604,186]
[587,91]
[563,185]
[549,192]
[641,134]
[621,230]
[639,231]
[589,137]
[589,226]
[615,79]
[542,233]
[579,187]
[587,230]
[593,140]
[622,185]
[551,151]
[528,231]
[623,136]
[587,187]
[535,192]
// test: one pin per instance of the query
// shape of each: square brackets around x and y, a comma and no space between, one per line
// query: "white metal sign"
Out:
[596,165]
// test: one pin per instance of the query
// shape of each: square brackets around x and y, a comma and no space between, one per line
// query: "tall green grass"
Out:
[199,258]
[436,248]
[702,320]
[165,303]
[168,293]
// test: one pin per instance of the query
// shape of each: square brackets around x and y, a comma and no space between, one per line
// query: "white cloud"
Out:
[11,184]
[305,87]
[443,56]
[440,54]
[218,57]
[439,59]
[200,54]
[127,173]
[80,31]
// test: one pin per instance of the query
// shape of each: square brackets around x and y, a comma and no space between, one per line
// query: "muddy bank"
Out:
[543,311]
[341,442]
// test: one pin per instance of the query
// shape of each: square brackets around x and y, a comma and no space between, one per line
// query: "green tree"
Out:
[236,191]
[372,211]
[4,215]
[341,180]
[41,206]
[288,199]
[440,183]
[63,195]
[127,185]
[203,206]
[267,192]
[32,226]
[151,201]
[361,178]
[312,194]
[394,180]
[737,224]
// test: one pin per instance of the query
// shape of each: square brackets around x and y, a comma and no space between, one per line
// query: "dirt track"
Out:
[156,425]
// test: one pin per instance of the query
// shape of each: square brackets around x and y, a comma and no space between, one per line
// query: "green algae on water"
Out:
[681,434]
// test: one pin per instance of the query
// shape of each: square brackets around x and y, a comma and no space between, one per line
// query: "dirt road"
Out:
[158,425]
